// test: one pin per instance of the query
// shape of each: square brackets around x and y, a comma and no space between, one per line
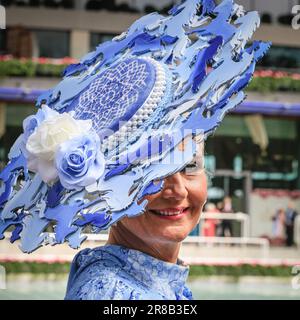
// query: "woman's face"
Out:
[175,211]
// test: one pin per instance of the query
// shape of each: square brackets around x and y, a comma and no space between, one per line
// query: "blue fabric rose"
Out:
[79,161]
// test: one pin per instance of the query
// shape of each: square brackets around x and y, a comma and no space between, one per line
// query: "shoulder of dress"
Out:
[98,255]
[103,283]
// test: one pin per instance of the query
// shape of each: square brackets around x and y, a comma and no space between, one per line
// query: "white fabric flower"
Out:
[43,143]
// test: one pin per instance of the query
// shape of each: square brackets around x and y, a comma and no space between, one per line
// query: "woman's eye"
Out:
[190,168]
[192,165]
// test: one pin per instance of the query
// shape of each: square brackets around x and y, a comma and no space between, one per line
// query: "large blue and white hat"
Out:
[108,134]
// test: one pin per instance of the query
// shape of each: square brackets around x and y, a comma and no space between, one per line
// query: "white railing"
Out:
[264,244]
[198,240]
[239,216]
[245,241]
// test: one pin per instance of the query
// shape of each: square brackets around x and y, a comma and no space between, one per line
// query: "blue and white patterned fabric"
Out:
[114,272]
[110,130]
[117,94]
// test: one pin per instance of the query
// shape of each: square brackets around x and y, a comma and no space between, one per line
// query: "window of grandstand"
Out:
[66,4]
[282,57]
[98,38]
[14,115]
[274,167]
[3,47]
[51,44]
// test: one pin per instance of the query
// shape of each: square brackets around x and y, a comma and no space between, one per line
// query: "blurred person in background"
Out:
[278,229]
[290,217]
[226,225]
[209,228]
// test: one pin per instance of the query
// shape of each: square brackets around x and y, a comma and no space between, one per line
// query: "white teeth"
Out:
[169,213]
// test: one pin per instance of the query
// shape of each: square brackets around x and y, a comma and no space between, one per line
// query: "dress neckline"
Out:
[152,272]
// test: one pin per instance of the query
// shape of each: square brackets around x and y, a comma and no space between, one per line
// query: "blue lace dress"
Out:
[113,272]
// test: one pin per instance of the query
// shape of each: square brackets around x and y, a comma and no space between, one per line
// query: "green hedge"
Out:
[35,268]
[201,270]
[242,270]
[269,84]
[17,68]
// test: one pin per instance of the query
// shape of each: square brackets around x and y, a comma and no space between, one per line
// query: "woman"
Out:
[98,149]
[279,227]
[209,227]
[226,224]
[140,258]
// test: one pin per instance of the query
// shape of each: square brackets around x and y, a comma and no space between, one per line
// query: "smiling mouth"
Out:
[167,213]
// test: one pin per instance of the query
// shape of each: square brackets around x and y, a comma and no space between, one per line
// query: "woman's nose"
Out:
[174,187]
